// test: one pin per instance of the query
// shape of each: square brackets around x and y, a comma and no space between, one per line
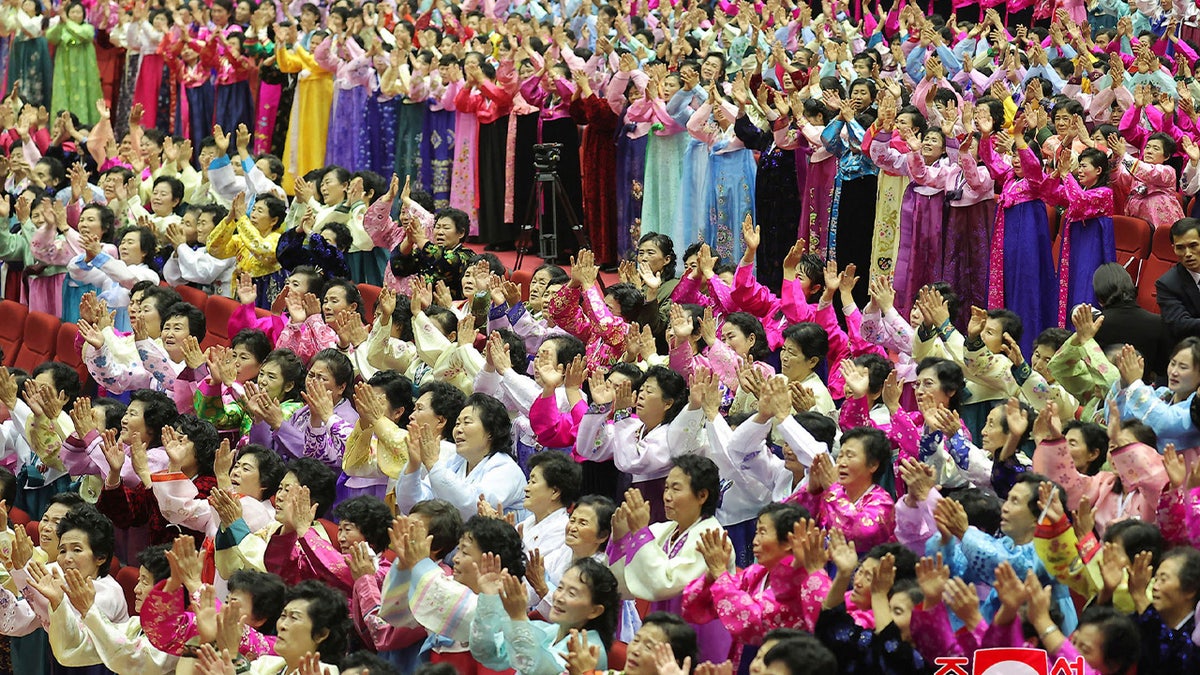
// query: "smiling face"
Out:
[48,528]
[174,331]
[583,531]
[134,422]
[736,339]
[75,553]
[468,552]
[270,379]
[540,498]
[261,218]
[162,200]
[933,145]
[639,657]
[571,604]
[1169,596]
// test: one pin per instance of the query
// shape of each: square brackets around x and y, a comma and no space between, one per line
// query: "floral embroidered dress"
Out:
[1153,195]
[1089,242]
[596,326]
[172,629]
[867,521]
[236,237]
[297,437]
[753,601]
[76,75]
[531,647]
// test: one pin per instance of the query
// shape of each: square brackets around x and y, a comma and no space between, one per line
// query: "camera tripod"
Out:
[547,185]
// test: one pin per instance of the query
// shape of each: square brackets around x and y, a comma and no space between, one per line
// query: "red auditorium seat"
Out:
[66,351]
[39,342]
[370,296]
[1161,258]
[127,577]
[18,517]
[12,327]
[616,655]
[1133,243]
[523,278]
[194,296]
[216,313]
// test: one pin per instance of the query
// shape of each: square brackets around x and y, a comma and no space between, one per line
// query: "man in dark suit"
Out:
[1179,287]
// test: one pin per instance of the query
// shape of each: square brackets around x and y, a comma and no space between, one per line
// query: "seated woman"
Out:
[782,589]
[120,647]
[313,621]
[665,426]
[298,551]
[272,398]
[657,562]
[502,636]
[320,427]
[379,443]
[228,371]
[481,468]
[603,322]
[253,241]
[418,589]
[191,447]
[17,617]
[1167,622]
[253,477]
[550,493]
[115,276]
[441,257]
[1166,409]
[851,500]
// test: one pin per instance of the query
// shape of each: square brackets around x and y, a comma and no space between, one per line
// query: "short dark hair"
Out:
[1183,226]
[462,222]
[802,655]
[205,441]
[99,531]
[950,378]
[370,515]
[197,323]
[292,369]
[496,536]
[326,612]
[353,296]
[445,523]
[320,480]
[447,402]
[1052,337]
[1010,322]
[784,518]
[157,410]
[373,664]
[810,338]
[559,473]
[154,559]
[254,341]
[493,416]
[271,468]
[1121,646]
[398,390]
[566,348]
[1034,481]
[679,633]
[266,593]
[1135,537]
[674,388]
[66,378]
[876,447]
[702,474]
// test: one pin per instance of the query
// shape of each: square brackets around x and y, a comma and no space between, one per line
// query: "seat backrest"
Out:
[39,342]
[370,296]
[1153,268]
[1133,239]
[523,278]
[127,577]
[616,656]
[217,312]
[12,328]
[66,351]
[1161,246]
[193,296]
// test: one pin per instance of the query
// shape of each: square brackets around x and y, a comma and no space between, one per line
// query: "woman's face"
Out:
[319,375]
[295,632]
[679,502]
[860,590]
[247,364]
[298,283]
[468,552]
[583,531]
[1154,152]
[932,146]
[737,340]
[245,478]
[220,15]
[1016,520]
[189,224]
[270,380]
[1168,595]
[260,217]
[537,289]
[90,224]
[134,421]
[793,363]
[929,388]
[145,584]
[75,553]
[348,535]
[651,406]
[1081,454]
[48,527]
[671,86]
[130,249]
[854,468]
[571,604]
[639,657]
[768,550]
[1182,374]
[710,69]
[1087,173]
[445,233]
[471,439]
[174,331]
[1062,121]
[333,191]
[242,12]
[334,302]
[75,13]
[993,436]
[1088,640]
[901,606]
[540,498]
[651,255]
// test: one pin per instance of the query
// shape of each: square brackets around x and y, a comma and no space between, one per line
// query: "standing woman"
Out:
[410,112]
[234,106]
[76,75]
[151,87]
[437,136]
[664,154]
[1090,240]
[308,128]
[346,59]
[599,170]
[631,153]
[730,175]
[852,217]
[491,105]
[464,175]
[29,59]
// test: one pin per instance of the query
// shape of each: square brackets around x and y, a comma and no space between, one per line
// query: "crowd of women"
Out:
[850,405]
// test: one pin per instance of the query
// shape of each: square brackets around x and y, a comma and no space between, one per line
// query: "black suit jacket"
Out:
[1179,302]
